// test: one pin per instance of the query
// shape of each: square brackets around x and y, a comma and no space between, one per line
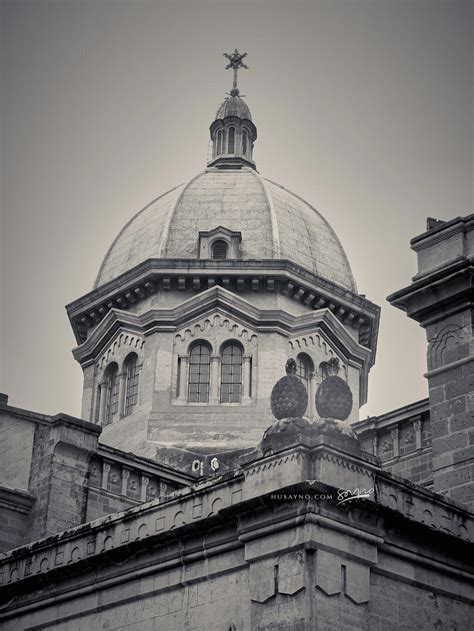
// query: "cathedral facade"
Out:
[163,508]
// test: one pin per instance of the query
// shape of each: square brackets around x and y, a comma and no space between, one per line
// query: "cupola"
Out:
[232,131]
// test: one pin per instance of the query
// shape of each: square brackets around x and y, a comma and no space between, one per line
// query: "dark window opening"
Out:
[231,140]
[219,250]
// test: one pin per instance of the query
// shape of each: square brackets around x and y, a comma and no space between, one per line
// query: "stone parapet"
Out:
[282,525]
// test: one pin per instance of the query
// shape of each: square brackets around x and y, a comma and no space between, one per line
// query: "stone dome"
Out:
[234,106]
[274,223]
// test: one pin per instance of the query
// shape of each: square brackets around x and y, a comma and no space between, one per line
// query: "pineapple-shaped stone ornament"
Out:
[333,396]
[289,398]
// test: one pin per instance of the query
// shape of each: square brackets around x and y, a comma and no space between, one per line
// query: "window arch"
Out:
[111,393]
[199,373]
[219,142]
[231,373]
[231,140]
[131,383]
[304,368]
[219,250]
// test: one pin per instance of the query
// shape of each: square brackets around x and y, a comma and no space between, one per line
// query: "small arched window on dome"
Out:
[244,143]
[219,142]
[304,368]
[231,140]
[131,383]
[199,373]
[231,373]
[111,393]
[219,250]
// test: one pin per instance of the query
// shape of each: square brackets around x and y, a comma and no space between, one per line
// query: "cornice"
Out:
[448,288]
[227,303]
[236,275]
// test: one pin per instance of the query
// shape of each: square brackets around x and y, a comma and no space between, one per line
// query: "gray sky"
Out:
[363,108]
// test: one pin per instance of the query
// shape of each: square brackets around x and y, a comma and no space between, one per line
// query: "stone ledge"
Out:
[14,499]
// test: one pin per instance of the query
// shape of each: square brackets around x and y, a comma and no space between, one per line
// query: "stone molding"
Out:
[143,280]
[16,500]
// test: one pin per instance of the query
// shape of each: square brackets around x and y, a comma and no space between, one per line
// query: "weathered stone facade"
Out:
[165,509]
[267,546]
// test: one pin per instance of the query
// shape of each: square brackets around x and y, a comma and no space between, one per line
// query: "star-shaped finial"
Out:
[235,62]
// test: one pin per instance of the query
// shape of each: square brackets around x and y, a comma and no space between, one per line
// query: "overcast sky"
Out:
[363,108]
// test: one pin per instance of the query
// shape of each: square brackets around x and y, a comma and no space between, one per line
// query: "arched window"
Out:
[111,393]
[231,140]
[219,142]
[131,383]
[199,373]
[244,143]
[219,250]
[304,368]
[231,374]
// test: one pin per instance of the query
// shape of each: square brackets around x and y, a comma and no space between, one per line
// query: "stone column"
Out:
[214,385]
[183,378]
[246,378]
[395,433]
[417,428]
[311,409]
[375,444]
[125,476]
[102,402]
[105,474]
[144,485]
[122,377]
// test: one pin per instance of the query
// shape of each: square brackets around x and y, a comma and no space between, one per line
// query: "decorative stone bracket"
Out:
[286,575]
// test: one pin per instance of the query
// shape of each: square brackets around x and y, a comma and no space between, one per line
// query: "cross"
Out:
[235,62]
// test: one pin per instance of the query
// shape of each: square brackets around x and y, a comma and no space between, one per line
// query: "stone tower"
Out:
[441,299]
[203,296]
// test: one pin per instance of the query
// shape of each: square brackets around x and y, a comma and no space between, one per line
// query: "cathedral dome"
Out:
[273,223]
[230,196]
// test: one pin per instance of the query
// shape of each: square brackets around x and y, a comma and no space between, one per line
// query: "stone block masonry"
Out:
[440,299]
[232,553]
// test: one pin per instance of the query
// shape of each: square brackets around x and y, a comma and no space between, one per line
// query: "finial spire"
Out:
[235,62]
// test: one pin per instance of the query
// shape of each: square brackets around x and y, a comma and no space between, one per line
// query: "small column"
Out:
[394,433]
[311,409]
[214,385]
[105,474]
[102,402]
[121,394]
[183,377]
[143,488]
[375,444]
[246,378]
[125,476]
[417,428]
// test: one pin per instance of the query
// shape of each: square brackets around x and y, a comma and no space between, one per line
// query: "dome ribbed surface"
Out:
[234,106]
[275,224]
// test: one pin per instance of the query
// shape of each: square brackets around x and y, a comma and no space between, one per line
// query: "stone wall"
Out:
[66,478]
[440,299]
[402,440]
[259,550]
[16,445]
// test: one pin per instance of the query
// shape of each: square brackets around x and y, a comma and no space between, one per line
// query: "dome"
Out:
[274,224]
[234,106]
